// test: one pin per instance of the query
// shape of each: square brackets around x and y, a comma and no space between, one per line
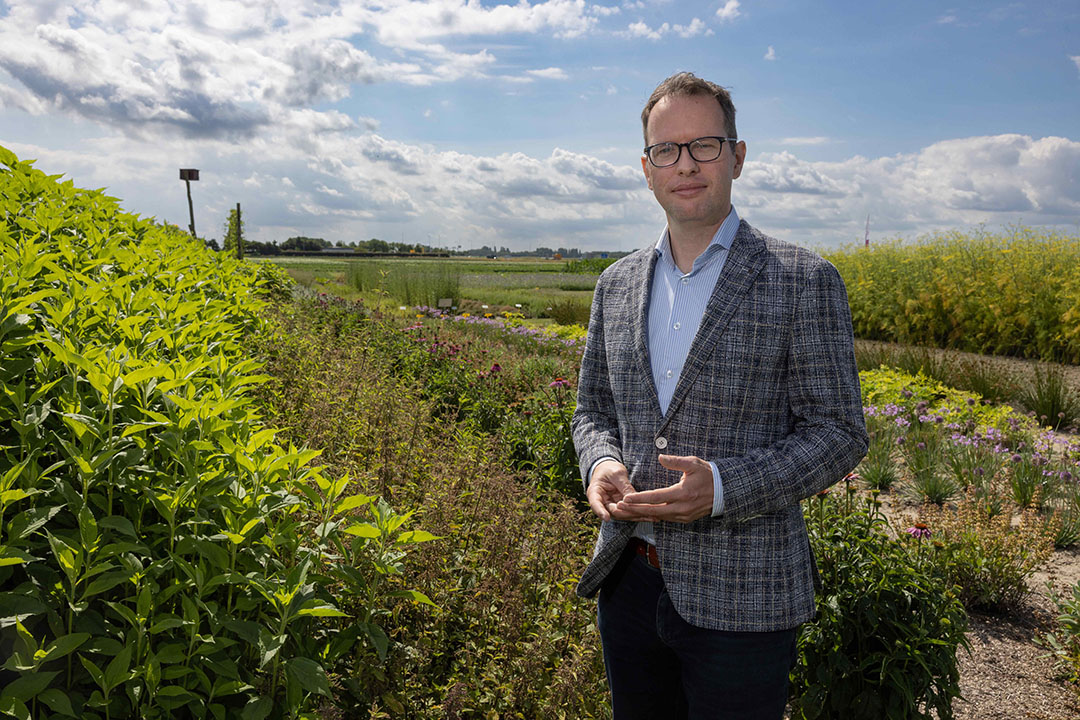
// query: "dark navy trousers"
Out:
[661,667]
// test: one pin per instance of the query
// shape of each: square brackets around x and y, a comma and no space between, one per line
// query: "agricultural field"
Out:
[543,290]
[228,492]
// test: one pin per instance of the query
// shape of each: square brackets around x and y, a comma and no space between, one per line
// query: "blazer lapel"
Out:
[640,290]
[744,263]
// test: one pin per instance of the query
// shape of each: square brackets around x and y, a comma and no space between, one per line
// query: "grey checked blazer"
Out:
[769,392]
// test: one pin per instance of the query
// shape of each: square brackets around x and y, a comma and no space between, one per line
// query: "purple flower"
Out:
[918,530]
[496,367]
[1016,457]
[559,383]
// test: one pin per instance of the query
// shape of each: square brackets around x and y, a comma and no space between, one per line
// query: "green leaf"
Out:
[142,374]
[14,556]
[104,583]
[15,708]
[120,524]
[57,701]
[322,611]
[117,670]
[350,503]
[378,638]
[17,607]
[309,674]
[166,623]
[414,595]
[28,685]
[94,670]
[415,536]
[9,496]
[257,709]
[364,530]
[64,645]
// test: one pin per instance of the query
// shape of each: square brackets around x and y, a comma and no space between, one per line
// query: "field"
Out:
[537,289]
[227,494]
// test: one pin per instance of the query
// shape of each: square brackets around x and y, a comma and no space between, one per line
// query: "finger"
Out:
[597,504]
[659,496]
[680,463]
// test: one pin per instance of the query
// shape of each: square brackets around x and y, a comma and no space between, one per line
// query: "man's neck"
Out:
[687,243]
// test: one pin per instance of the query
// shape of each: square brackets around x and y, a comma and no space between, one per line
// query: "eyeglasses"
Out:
[704,149]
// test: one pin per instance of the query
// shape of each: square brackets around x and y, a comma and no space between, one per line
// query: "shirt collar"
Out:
[721,240]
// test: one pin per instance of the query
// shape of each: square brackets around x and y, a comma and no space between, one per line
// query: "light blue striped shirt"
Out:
[676,305]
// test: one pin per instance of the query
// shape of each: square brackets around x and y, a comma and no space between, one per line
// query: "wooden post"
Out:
[191,209]
[187,175]
[239,235]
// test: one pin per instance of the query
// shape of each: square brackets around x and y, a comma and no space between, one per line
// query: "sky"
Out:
[462,123]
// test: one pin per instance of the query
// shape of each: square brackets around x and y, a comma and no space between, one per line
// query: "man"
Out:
[718,389]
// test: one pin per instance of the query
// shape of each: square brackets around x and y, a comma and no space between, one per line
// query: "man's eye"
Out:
[709,145]
[664,153]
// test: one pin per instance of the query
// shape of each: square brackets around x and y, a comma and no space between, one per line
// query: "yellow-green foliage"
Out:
[158,552]
[1012,293]
[888,385]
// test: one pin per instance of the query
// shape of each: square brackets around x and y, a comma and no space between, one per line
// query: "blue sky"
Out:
[470,123]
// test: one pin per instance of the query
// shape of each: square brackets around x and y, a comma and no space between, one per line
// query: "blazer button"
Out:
[661,443]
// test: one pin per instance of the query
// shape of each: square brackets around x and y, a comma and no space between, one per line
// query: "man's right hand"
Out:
[609,483]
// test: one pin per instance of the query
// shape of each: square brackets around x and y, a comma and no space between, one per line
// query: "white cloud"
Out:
[995,180]
[551,73]
[947,20]
[817,140]
[231,68]
[641,29]
[770,54]
[729,12]
[345,186]
[696,27]
[1076,60]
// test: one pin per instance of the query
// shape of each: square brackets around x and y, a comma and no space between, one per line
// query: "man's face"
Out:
[693,194]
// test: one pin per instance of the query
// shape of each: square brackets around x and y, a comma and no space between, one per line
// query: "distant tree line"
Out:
[234,233]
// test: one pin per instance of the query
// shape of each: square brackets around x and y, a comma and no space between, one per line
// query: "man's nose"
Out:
[686,164]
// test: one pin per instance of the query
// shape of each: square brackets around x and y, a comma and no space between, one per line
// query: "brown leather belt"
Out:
[646,551]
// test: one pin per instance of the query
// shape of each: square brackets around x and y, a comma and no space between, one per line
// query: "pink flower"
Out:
[559,383]
[919,530]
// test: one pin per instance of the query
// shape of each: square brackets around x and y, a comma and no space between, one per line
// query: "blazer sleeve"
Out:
[828,437]
[595,425]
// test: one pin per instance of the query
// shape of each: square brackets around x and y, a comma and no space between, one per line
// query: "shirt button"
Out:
[669,373]
[661,443]
[677,325]
[686,281]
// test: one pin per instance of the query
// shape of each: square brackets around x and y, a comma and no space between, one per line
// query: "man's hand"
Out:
[687,500]
[609,484]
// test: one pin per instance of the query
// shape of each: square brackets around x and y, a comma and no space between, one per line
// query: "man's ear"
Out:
[647,170]
[740,158]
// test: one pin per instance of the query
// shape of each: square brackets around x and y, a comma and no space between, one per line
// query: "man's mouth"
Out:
[688,190]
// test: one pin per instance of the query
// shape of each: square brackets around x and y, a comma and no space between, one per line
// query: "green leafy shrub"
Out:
[1064,643]
[984,554]
[508,637]
[160,554]
[569,312]
[588,266]
[884,642]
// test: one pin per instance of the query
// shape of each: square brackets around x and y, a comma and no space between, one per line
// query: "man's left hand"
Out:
[685,501]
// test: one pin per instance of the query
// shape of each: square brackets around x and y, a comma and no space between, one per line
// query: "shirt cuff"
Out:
[608,457]
[717,490]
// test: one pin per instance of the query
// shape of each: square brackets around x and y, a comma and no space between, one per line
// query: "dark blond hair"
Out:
[688,84]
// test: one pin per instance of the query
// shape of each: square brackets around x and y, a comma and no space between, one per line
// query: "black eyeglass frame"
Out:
[687,145]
